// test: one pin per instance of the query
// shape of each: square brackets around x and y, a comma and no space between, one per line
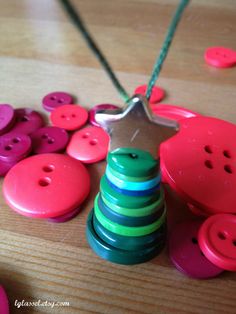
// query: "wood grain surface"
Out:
[40,51]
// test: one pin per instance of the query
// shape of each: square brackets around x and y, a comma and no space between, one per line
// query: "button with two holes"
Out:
[48,185]
[220,57]
[7,118]
[49,140]
[89,145]
[56,99]
[69,117]
[156,96]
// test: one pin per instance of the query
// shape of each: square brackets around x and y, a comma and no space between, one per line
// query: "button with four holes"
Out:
[97,108]
[7,118]
[46,185]
[220,57]
[185,252]
[217,240]
[14,147]
[156,96]
[50,139]
[56,99]
[89,145]
[69,117]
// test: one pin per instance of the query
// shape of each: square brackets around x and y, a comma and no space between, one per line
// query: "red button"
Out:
[47,185]
[89,145]
[199,163]
[217,239]
[69,117]
[156,96]
[56,99]
[220,57]
[173,112]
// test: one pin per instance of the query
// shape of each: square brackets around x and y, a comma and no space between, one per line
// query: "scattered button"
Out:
[49,140]
[217,239]
[185,252]
[97,108]
[14,147]
[66,217]
[7,118]
[156,96]
[69,117]
[220,57]
[48,185]
[89,145]
[173,112]
[27,121]
[55,100]
[4,304]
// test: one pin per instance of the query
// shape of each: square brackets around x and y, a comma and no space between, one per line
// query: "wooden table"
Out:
[40,51]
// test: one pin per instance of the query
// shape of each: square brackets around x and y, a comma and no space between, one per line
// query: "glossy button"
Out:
[132,162]
[14,147]
[217,239]
[173,112]
[49,140]
[220,57]
[4,304]
[89,145]
[56,99]
[7,118]
[69,117]
[27,121]
[185,253]
[156,96]
[48,185]
[93,111]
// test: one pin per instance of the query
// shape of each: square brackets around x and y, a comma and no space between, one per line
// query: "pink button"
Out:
[7,118]
[217,239]
[69,117]
[220,57]
[65,217]
[173,112]
[56,99]
[156,96]
[27,121]
[46,185]
[93,111]
[89,145]
[14,147]
[199,163]
[185,252]
[4,305]
[49,140]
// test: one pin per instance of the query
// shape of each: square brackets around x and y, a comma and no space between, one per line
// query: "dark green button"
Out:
[133,162]
[124,200]
[130,243]
[115,255]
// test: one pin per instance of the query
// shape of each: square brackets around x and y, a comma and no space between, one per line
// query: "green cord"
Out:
[164,50]
[75,17]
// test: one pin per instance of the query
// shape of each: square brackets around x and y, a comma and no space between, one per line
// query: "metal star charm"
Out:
[136,126]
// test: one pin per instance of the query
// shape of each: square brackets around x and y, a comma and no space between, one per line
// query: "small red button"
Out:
[220,57]
[217,240]
[69,117]
[56,99]
[89,144]
[156,96]
[46,185]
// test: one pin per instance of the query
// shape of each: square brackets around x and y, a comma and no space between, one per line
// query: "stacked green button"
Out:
[127,226]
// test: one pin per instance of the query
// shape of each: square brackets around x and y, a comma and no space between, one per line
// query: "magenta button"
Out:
[66,217]
[56,99]
[93,111]
[185,253]
[49,139]
[7,118]
[5,167]
[27,121]
[14,147]
[4,305]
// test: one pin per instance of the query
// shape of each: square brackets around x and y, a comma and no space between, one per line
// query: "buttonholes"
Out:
[85,135]
[8,147]
[93,142]
[44,182]
[48,168]
[234,242]
[16,140]
[195,241]
[24,119]
[228,169]
[50,141]
[226,153]
[221,235]
[208,164]
[53,98]
[208,149]
[133,156]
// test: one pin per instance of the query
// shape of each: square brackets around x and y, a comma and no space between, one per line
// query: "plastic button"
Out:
[185,252]
[156,96]
[4,304]
[14,147]
[7,118]
[217,239]
[69,117]
[173,112]
[66,217]
[48,185]
[93,111]
[220,57]
[49,140]
[55,100]
[89,145]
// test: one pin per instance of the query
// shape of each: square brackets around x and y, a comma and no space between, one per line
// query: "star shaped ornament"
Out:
[135,126]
